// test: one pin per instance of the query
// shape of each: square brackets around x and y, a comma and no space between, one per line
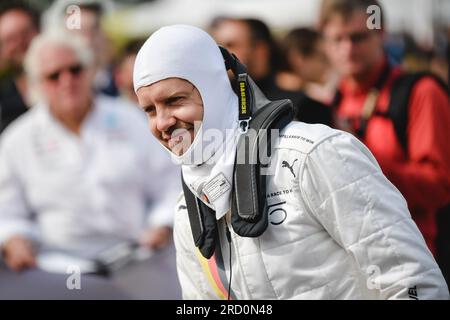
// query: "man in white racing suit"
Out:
[338,229]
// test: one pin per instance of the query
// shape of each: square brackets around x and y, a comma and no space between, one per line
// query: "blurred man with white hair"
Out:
[84,17]
[84,165]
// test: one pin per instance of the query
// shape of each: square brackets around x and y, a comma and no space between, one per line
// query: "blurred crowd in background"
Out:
[335,69]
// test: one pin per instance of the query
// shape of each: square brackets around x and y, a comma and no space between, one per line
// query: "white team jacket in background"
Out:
[338,229]
[113,180]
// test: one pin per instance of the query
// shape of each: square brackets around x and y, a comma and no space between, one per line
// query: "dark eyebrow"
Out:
[177,94]
[180,93]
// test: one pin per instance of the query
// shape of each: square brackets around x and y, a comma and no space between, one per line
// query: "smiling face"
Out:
[174,108]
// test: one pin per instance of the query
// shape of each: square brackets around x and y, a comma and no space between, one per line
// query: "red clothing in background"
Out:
[423,173]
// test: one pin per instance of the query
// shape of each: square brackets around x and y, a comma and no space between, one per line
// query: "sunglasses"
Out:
[74,70]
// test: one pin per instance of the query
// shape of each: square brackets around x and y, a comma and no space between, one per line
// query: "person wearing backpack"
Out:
[402,118]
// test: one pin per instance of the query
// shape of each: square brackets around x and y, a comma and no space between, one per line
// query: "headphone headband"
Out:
[232,62]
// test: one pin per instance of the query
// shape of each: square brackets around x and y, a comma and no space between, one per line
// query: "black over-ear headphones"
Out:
[249,216]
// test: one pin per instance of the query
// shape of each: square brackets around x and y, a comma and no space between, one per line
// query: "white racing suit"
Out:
[338,229]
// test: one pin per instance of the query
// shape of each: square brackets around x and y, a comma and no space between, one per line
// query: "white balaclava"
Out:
[189,53]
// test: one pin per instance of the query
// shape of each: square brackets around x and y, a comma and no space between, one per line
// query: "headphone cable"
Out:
[228,234]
